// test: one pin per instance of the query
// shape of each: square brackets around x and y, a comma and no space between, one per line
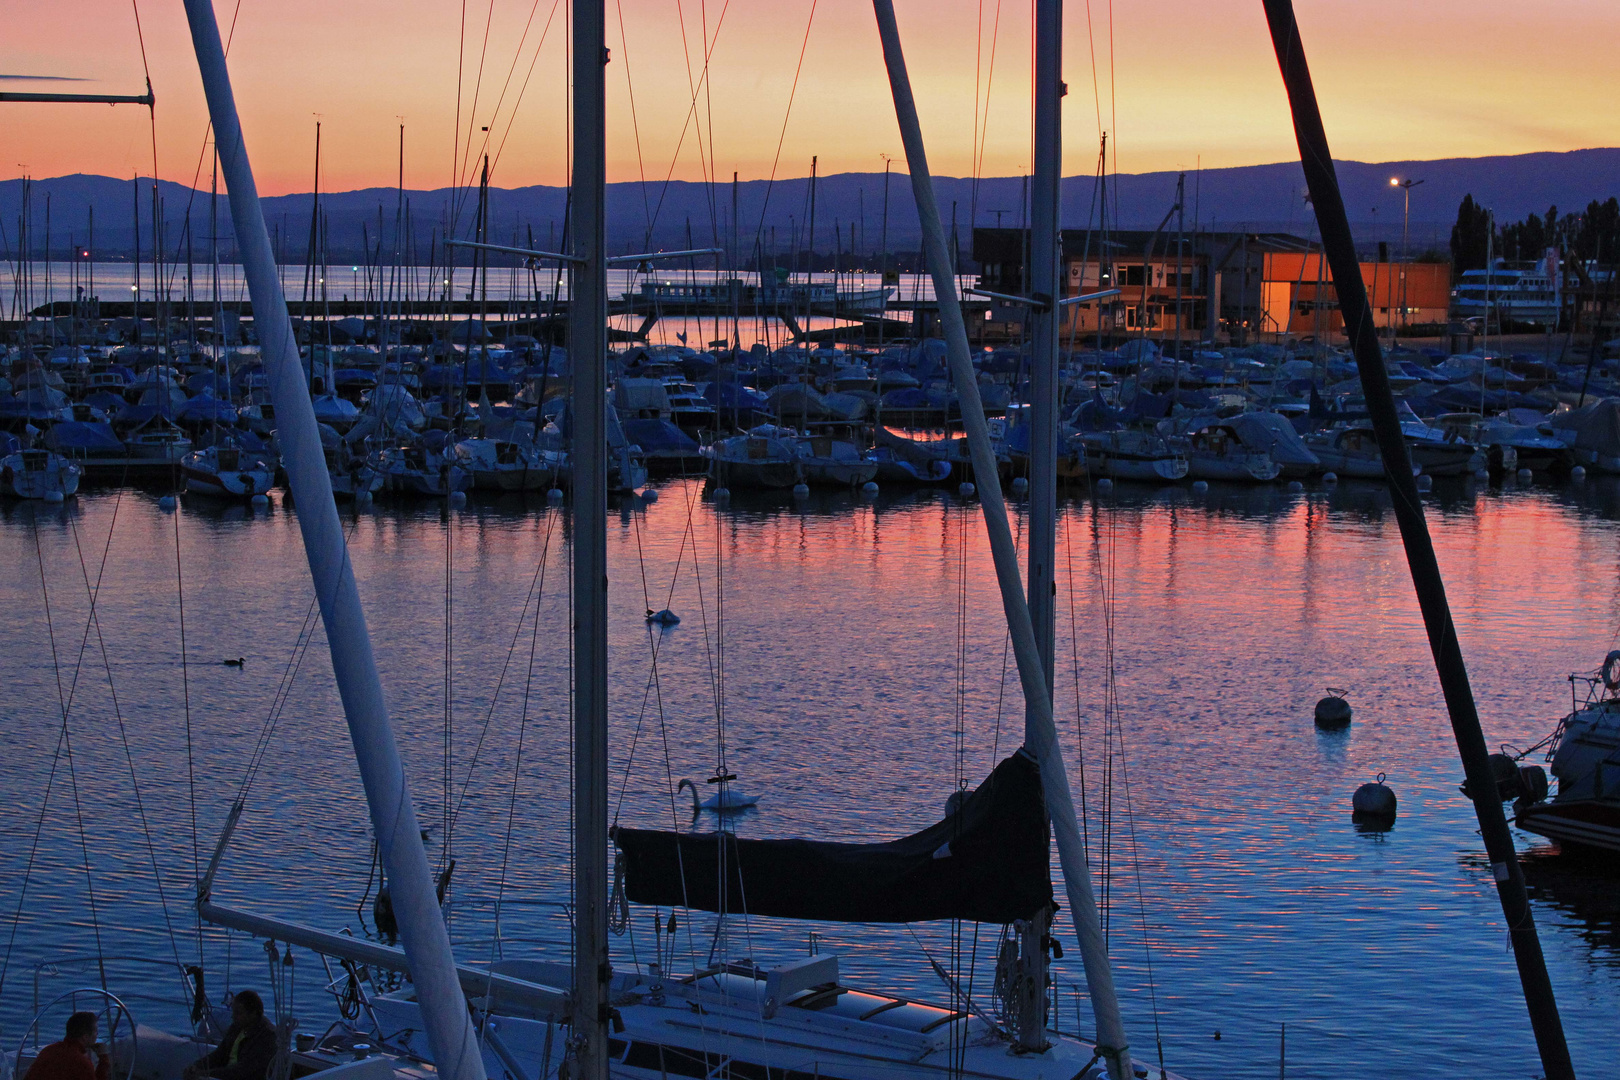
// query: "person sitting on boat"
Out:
[71,1059]
[246,1050]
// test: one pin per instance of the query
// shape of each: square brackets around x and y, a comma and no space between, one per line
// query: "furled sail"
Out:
[986,862]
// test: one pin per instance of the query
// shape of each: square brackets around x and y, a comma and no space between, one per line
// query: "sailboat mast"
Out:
[1039,729]
[1333,226]
[1044,291]
[587,349]
[399,841]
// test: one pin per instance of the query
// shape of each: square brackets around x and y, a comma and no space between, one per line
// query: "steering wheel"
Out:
[113,1013]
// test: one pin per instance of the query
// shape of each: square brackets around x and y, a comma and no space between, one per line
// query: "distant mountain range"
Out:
[682,214]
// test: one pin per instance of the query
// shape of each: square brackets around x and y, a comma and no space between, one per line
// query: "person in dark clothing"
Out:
[71,1058]
[246,1050]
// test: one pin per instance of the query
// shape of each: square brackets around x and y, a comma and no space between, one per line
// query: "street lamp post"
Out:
[1406,187]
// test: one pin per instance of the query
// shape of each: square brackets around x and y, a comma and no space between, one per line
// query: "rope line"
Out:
[93,594]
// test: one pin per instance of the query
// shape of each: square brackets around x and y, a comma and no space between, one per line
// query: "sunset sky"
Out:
[1192,82]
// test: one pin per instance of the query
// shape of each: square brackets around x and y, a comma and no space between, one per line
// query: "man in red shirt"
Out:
[71,1058]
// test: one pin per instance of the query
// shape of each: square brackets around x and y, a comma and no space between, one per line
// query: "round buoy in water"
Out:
[1105,484]
[870,487]
[554,495]
[168,502]
[1333,711]
[649,495]
[966,490]
[1526,475]
[458,498]
[1425,482]
[801,491]
[261,499]
[1578,473]
[1330,478]
[1482,474]
[54,497]
[1020,484]
[1373,802]
[1200,486]
[722,493]
[363,499]
[1295,485]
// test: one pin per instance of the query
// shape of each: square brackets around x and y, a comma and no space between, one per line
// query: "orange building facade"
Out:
[1297,294]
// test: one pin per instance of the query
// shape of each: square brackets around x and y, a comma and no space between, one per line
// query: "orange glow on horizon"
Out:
[1194,84]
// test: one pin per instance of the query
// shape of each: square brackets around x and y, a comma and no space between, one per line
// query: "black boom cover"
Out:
[986,862]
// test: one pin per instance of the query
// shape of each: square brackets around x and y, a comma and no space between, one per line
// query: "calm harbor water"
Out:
[860,655]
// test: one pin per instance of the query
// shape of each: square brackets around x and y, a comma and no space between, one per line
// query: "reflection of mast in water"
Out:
[1582,885]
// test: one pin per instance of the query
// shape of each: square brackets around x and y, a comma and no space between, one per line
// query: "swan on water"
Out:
[725,801]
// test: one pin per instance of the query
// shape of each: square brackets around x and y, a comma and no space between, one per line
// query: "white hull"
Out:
[1242,469]
[672,1028]
[27,476]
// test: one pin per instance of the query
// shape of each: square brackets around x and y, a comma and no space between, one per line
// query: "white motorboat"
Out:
[1439,452]
[354,472]
[828,462]
[1350,450]
[224,469]
[416,469]
[1217,452]
[1583,753]
[1128,455]
[157,442]
[760,459]
[508,465]
[38,474]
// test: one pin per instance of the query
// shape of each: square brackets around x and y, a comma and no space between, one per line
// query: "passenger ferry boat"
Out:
[1509,295]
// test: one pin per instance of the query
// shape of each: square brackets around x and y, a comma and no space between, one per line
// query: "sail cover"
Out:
[986,862]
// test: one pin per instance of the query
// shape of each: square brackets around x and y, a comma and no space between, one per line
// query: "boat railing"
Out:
[74,969]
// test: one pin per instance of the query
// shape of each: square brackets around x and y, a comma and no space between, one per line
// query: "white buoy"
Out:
[54,497]
[1200,486]
[1330,478]
[1105,484]
[801,491]
[363,498]
[1526,475]
[1020,484]
[1425,482]
[870,487]
[722,494]
[1578,473]
[649,496]
[554,495]
[966,490]
[168,502]
[458,498]
[1482,474]
[260,500]
[1295,485]
[1374,802]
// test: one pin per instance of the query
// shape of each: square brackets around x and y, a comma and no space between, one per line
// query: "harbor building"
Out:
[1238,285]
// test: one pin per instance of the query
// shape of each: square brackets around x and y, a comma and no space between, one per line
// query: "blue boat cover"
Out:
[83,437]
[659,436]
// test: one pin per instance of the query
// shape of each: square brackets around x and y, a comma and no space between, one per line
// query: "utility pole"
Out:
[1406,187]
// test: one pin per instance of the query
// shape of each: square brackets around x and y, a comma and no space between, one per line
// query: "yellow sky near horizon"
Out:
[1191,83]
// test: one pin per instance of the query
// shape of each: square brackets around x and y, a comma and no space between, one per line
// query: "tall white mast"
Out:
[1043,288]
[399,840]
[1040,731]
[587,351]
